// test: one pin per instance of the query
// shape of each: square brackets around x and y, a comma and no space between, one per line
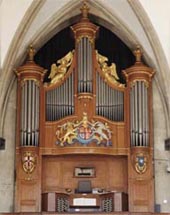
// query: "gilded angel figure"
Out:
[58,72]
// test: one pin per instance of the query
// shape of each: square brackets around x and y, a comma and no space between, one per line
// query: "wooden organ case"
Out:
[84,118]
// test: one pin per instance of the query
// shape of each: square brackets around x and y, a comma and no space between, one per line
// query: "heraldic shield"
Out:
[29,162]
[140,163]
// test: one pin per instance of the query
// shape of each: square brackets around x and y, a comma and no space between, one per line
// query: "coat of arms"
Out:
[141,161]
[28,162]
[83,132]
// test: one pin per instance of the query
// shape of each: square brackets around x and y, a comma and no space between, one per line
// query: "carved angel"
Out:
[100,58]
[53,71]
[57,72]
[109,72]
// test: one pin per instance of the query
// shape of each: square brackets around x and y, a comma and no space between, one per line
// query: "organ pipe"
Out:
[85,66]
[30,113]
[139,114]
[60,101]
[37,115]
[109,102]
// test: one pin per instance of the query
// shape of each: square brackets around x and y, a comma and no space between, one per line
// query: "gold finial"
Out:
[85,10]
[31,53]
[138,54]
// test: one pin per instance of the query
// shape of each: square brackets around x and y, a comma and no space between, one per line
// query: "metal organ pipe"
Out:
[136,114]
[25,114]
[37,116]
[109,102]
[84,66]
[143,114]
[132,117]
[80,66]
[60,101]
[33,114]
[23,137]
[81,63]
[85,63]
[30,113]
[116,106]
[139,114]
[146,117]
[90,70]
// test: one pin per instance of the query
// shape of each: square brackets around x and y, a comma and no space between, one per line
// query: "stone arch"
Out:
[67,15]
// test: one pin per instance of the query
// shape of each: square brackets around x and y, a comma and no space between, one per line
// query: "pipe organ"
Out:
[84,117]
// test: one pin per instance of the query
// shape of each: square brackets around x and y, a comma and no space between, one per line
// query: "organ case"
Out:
[84,116]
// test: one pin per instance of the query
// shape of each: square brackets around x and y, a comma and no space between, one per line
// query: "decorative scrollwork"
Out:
[83,132]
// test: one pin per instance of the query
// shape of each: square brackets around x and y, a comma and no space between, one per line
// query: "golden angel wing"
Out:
[53,71]
[113,71]
[100,58]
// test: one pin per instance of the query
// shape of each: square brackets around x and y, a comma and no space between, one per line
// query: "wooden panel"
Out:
[28,196]
[118,174]
[141,194]
[121,142]
[52,175]
[58,172]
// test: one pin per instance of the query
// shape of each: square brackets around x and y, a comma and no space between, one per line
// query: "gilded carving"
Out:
[140,162]
[132,84]
[29,161]
[90,38]
[109,72]
[58,72]
[83,132]
[37,82]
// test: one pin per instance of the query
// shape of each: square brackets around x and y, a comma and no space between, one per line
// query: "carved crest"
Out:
[140,161]
[83,132]
[29,162]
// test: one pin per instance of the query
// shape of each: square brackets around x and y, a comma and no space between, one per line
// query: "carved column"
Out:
[30,77]
[139,85]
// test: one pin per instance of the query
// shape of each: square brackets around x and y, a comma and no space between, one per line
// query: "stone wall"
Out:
[7,157]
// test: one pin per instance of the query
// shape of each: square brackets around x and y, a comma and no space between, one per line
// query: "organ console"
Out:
[107,202]
[84,116]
